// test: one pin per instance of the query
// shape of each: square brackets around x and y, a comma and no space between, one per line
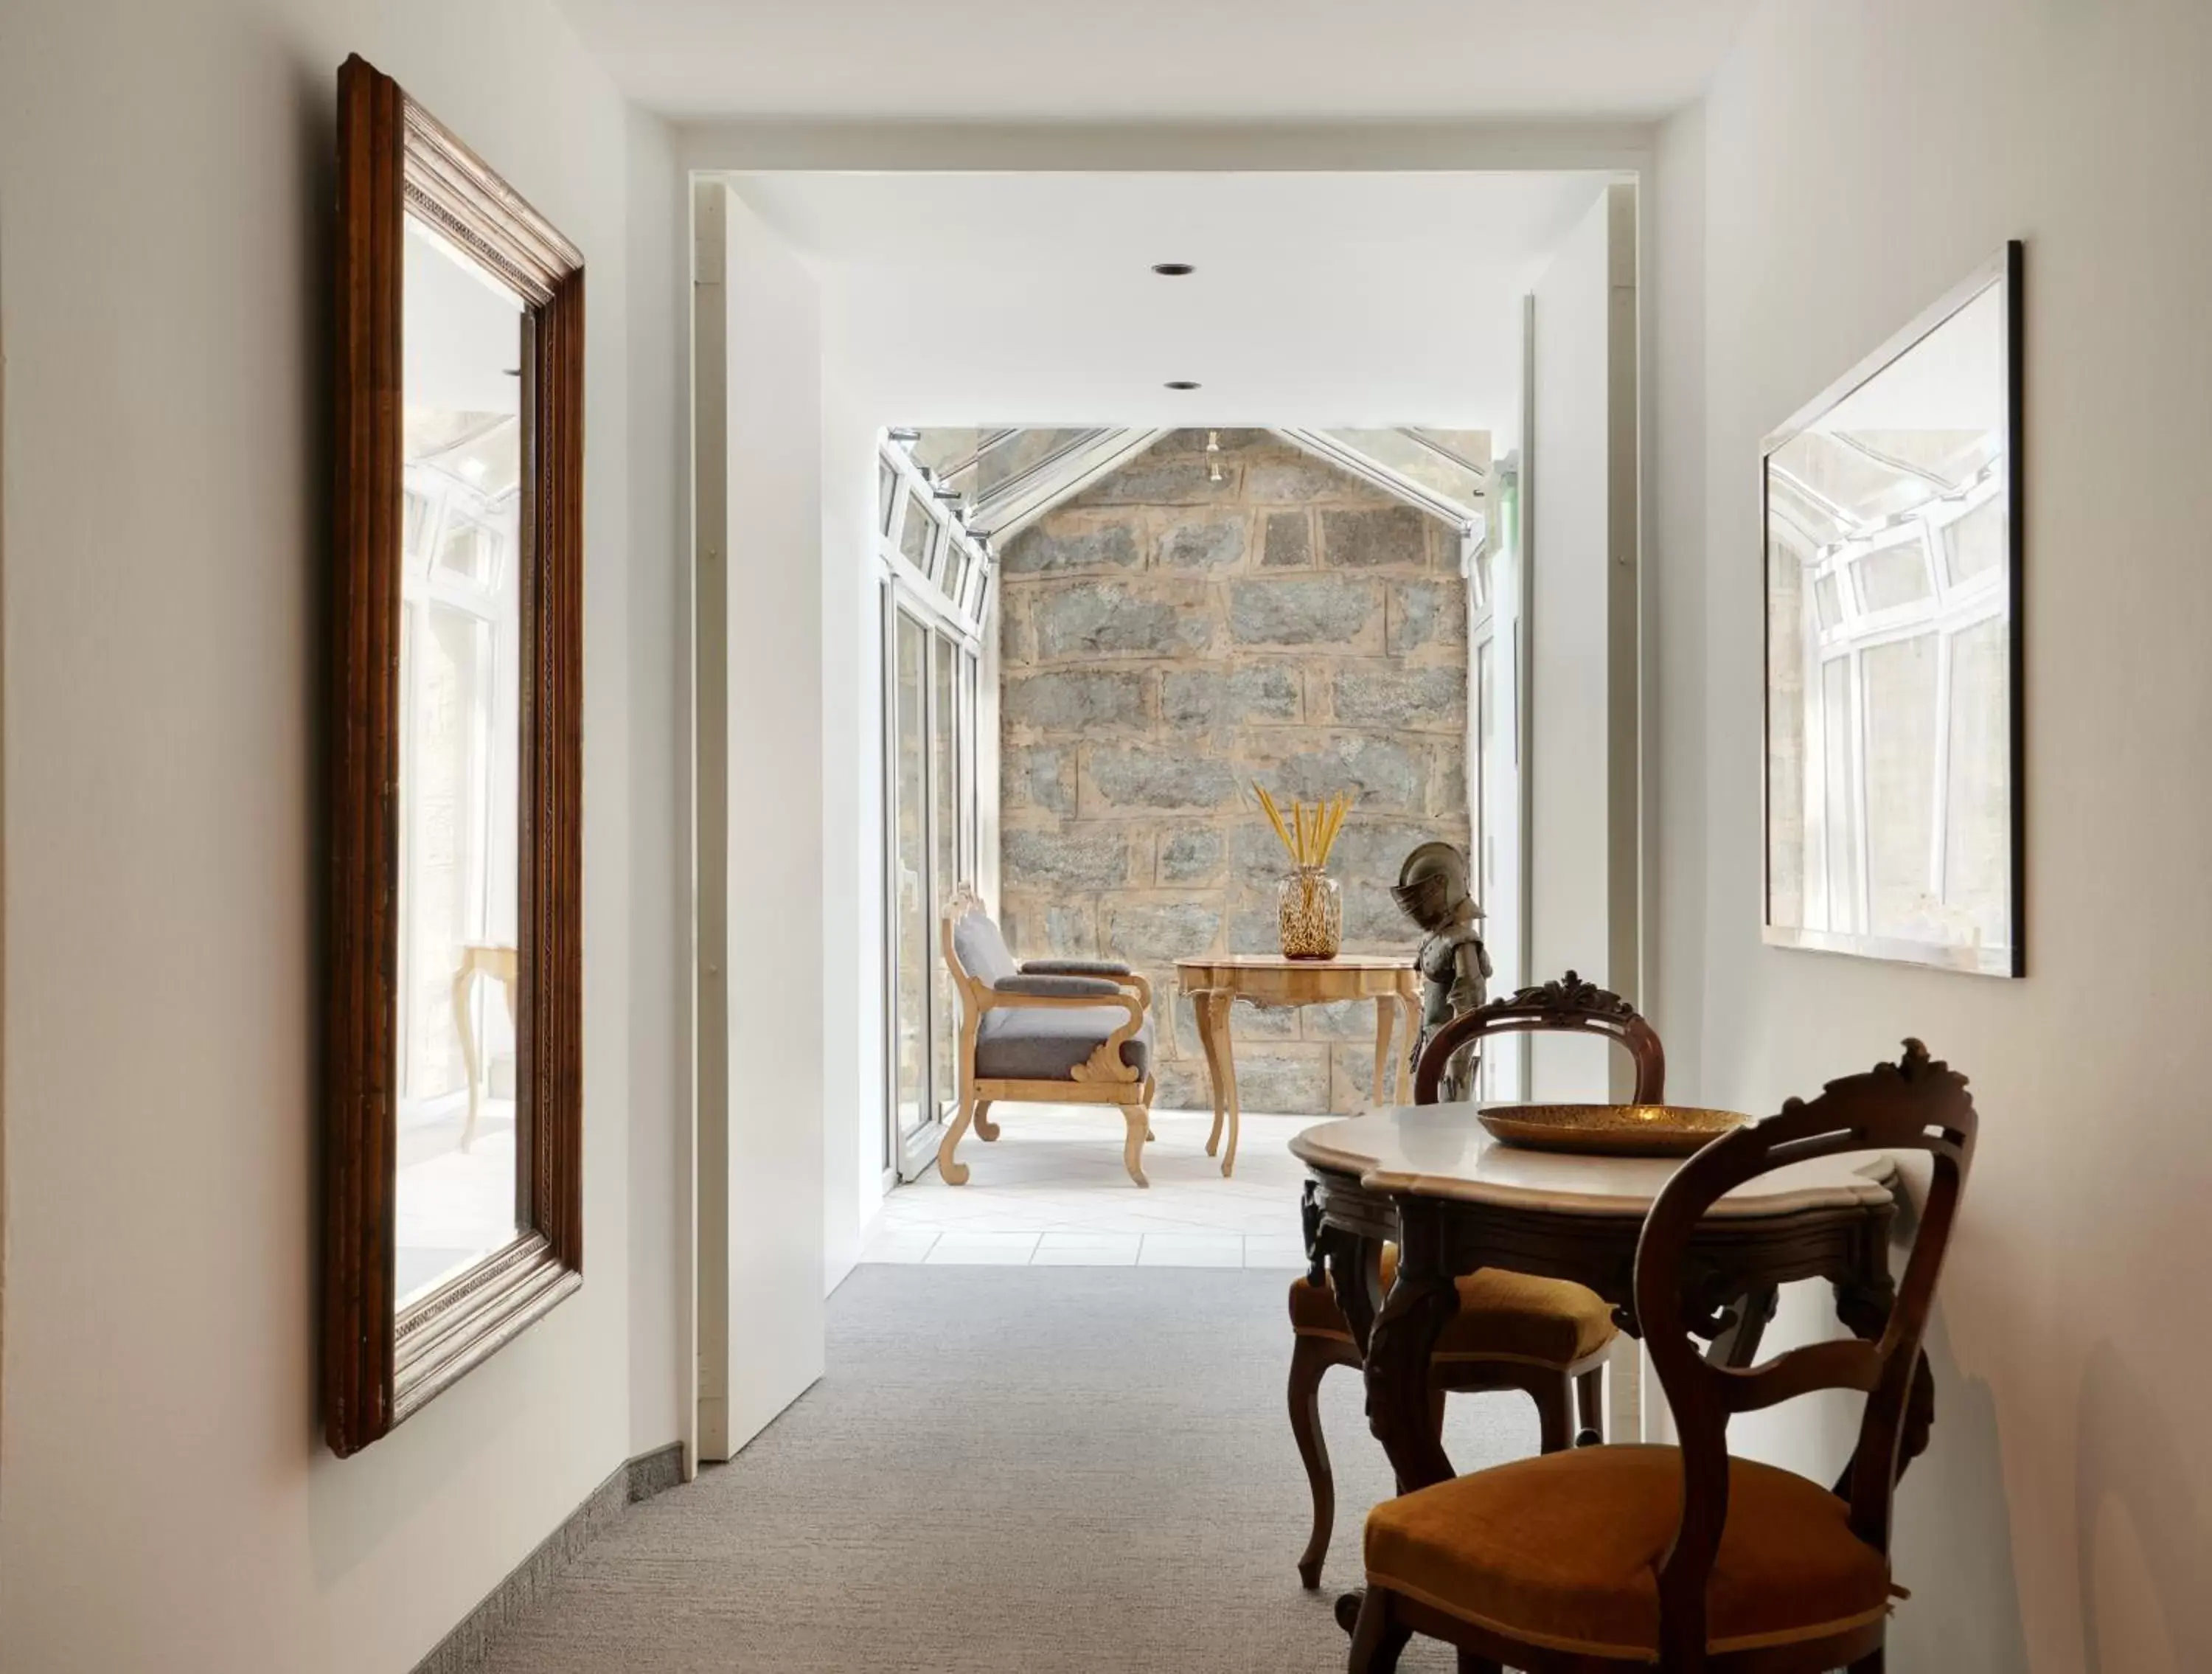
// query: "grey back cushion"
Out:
[982,949]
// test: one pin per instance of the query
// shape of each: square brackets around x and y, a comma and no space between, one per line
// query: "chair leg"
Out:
[985,1127]
[1589,1407]
[1310,1359]
[1379,1635]
[1132,1148]
[1554,1413]
[955,1173]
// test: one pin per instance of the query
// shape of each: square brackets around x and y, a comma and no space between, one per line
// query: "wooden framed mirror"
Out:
[455,1159]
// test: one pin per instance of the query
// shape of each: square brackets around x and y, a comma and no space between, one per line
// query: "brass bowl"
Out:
[1612,1130]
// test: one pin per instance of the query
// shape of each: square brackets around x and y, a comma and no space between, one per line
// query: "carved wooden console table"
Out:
[1454,1200]
[1213,985]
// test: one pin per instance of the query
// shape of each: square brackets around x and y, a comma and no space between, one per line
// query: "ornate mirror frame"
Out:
[381,1363]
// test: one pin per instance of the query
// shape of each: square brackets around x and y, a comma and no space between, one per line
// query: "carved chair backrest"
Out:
[1569,1005]
[1916,1104]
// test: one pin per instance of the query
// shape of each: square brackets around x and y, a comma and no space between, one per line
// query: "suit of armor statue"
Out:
[1432,890]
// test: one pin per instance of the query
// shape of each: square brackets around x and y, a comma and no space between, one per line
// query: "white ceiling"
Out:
[1159,60]
[1320,300]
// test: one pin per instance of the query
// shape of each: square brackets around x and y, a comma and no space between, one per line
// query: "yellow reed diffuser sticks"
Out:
[1310,833]
[1311,906]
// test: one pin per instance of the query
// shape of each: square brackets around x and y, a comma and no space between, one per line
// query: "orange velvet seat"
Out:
[1563,1551]
[1502,1316]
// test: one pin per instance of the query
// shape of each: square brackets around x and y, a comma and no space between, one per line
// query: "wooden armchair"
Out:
[1546,1337]
[1052,1032]
[1622,1558]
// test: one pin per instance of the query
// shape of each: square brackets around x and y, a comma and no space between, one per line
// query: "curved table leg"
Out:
[465,1027]
[1383,1008]
[1225,1086]
[1411,1007]
[1201,1006]
[1421,1303]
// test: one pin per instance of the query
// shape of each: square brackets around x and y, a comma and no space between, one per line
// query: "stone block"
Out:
[1204,705]
[1062,545]
[1213,541]
[1017,634]
[1163,479]
[1342,1019]
[1255,927]
[1293,478]
[1070,931]
[1375,538]
[1373,923]
[1424,614]
[1139,779]
[1389,777]
[1351,1077]
[1448,784]
[1422,700]
[1076,701]
[1300,610]
[1038,777]
[1289,541]
[1181,1085]
[1047,858]
[1041,926]
[1376,848]
[1290,1080]
[1105,619]
[1192,854]
[1138,930]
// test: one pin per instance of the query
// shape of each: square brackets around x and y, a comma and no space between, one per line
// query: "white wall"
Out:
[165,209]
[761,1329]
[1579,428]
[853,855]
[1857,161]
[659,788]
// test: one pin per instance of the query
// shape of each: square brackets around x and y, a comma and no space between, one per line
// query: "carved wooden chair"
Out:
[1686,1557]
[1546,1337]
[1053,1032]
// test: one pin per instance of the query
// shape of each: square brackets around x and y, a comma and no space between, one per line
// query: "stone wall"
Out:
[1166,641]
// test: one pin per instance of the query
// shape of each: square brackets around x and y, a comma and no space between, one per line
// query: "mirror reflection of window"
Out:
[1888,651]
[459,767]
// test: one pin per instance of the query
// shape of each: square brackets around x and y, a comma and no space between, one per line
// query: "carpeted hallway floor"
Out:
[1007,1470]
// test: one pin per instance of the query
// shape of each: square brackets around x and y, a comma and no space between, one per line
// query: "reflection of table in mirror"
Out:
[1212,985]
[502,963]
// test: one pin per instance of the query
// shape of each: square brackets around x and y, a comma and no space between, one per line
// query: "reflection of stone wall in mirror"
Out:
[1888,651]
[460,738]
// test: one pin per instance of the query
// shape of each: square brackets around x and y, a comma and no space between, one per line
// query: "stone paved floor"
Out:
[1051,1191]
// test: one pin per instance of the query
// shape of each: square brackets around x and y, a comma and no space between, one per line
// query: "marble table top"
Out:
[1442,1151]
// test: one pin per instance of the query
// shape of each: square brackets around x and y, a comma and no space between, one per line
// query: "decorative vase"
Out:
[1311,911]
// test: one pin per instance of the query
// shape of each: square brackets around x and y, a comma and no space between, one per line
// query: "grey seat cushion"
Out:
[1044,1043]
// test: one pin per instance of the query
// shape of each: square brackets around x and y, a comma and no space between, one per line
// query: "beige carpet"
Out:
[1006,1472]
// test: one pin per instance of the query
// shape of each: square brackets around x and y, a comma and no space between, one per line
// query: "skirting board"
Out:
[463,1650]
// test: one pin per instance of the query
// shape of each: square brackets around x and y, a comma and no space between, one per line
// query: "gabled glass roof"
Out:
[1006,477]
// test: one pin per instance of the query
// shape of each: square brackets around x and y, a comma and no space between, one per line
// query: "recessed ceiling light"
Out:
[1174,270]
[1181,383]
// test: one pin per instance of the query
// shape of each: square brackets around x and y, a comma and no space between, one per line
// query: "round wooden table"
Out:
[1212,985]
[1430,1178]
